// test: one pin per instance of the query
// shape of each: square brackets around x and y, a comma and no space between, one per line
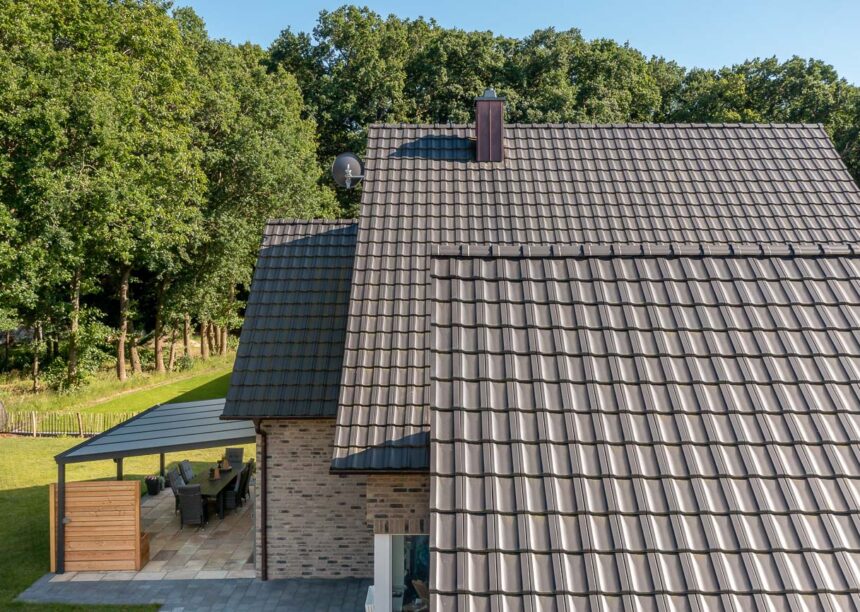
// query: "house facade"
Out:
[558,367]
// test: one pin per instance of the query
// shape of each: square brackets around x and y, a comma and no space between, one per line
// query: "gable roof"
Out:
[291,349]
[645,429]
[706,185]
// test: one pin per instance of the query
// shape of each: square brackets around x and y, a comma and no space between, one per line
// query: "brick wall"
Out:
[317,521]
[399,503]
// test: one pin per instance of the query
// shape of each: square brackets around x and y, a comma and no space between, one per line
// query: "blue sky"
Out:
[706,33]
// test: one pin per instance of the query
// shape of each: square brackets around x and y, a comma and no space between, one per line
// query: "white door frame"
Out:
[382,587]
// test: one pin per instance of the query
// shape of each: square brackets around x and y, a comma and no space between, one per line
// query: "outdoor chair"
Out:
[234,456]
[192,507]
[174,478]
[186,470]
[234,497]
[244,483]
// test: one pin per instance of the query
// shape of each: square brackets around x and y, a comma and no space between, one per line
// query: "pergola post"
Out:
[61,517]
[161,464]
[118,461]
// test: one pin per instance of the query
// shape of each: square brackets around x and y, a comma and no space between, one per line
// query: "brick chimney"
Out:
[490,127]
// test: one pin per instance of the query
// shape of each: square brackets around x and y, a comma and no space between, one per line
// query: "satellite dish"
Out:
[347,170]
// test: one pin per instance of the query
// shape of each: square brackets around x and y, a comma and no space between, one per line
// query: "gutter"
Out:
[264,500]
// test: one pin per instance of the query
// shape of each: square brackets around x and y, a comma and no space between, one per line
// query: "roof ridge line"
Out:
[643,250]
[296,221]
[631,124]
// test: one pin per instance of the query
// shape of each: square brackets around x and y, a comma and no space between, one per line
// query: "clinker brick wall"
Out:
[399,503]
[317,521]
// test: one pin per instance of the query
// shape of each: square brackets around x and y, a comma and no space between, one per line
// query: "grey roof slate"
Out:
[651,432]
[163,428]
[698,186]
[292,344]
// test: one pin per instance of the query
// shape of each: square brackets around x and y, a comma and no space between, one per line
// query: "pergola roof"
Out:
[161,429]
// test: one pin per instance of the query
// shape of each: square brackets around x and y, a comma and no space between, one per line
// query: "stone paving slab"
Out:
[239,595]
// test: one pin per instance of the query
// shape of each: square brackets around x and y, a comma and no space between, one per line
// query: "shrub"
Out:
[184,363]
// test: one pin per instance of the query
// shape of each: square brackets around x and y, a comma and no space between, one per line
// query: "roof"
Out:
[706,185]
[292,343]
[161,429]
[657,431]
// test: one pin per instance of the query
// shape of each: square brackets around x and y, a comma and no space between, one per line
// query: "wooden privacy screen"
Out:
[102,527]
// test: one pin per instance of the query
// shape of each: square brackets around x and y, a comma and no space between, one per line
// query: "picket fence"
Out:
[80,424]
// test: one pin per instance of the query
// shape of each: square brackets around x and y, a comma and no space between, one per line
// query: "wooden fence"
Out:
[103,530]
[80,424]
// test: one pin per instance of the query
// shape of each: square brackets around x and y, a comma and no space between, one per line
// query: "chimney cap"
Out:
[490,94]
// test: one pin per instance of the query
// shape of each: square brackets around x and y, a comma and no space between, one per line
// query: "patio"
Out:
[223,549]
[107,530]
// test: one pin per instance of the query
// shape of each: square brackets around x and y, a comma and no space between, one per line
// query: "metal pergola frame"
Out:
[217,433]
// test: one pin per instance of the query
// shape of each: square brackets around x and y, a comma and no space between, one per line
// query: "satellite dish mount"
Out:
[347,170]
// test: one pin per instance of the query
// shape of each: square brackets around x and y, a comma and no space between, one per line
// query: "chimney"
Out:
[490,127]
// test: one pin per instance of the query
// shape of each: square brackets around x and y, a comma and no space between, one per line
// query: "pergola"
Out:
[161,429]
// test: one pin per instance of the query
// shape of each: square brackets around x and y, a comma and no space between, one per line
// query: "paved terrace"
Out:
[222,549]
[194,570]
[235,595]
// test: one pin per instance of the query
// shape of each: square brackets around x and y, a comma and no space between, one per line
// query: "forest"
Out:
[140,158]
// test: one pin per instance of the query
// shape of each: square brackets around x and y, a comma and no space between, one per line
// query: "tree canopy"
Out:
[140,158]
[357,68]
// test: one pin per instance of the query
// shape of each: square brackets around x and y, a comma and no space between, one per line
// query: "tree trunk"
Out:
[223,340]
[171,360]
[121,372]
[132,350]
[72,373]
[204,347]
[210,337]
[186,335]
[37,348]
[6,350]
[216,337]
[209,329]
[159,327]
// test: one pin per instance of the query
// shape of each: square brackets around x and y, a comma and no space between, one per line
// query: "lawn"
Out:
[200,387]
[105,394]
[26,468]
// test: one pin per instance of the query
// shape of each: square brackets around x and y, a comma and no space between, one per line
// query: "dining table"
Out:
[213,488]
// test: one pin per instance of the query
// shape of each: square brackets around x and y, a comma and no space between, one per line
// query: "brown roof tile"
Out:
[701,187]
[659,432]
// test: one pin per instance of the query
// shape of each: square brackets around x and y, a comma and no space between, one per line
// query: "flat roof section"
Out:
[162,429]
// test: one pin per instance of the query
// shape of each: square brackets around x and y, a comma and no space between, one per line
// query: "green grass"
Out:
[200,387]
[105,394]
[26,468]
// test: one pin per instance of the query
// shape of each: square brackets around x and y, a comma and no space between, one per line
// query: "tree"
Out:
[258,154]
[669,79]
[446,69]
[102,175]
[542,86]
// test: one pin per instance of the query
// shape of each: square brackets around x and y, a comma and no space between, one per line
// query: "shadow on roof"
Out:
[293,338]
[437,146]
[283,245]
[408,453]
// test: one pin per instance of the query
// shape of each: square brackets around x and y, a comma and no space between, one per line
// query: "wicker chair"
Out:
[192,507]
[186,470]
[234,456]
[244,483]
[235,496]
[174,478]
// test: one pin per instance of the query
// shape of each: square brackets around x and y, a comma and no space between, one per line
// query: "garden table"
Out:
[215,488]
